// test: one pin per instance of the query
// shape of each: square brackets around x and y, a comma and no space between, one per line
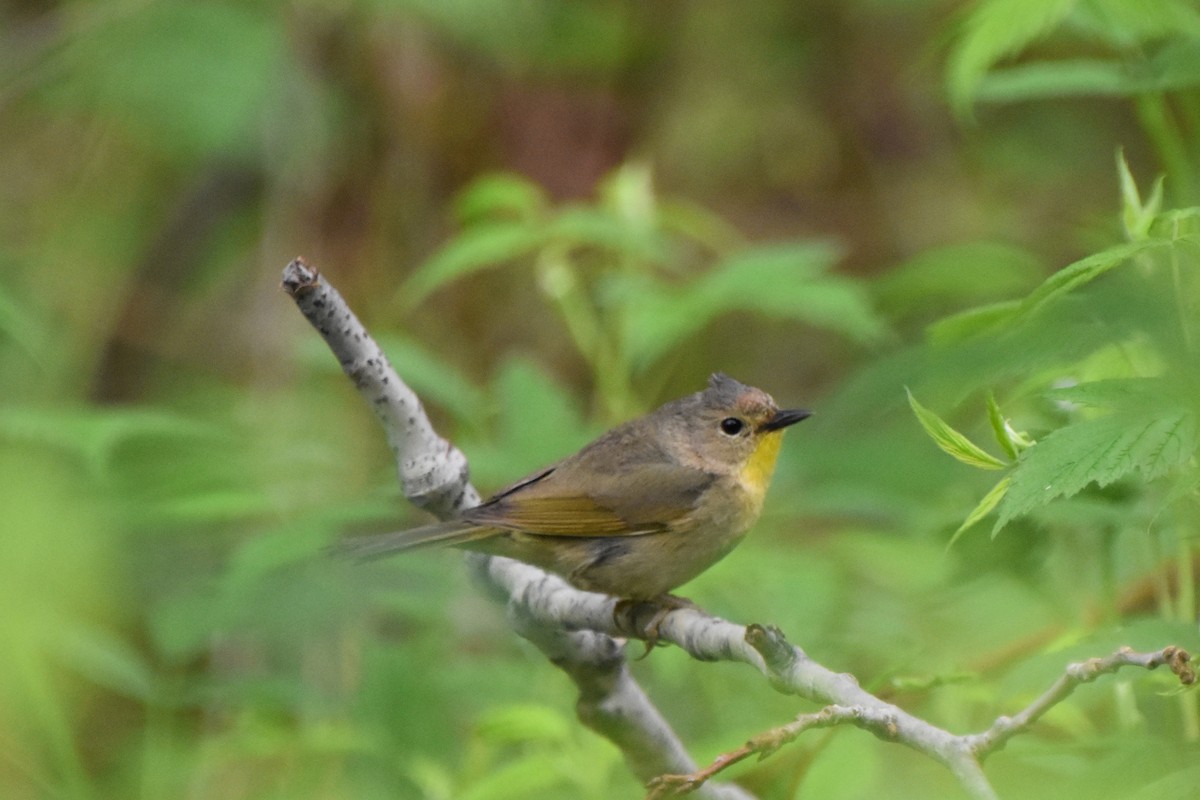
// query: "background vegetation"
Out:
[556,214]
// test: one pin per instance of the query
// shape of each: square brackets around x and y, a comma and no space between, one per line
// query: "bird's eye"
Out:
[732,426]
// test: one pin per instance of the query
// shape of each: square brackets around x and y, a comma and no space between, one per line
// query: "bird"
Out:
[638,512]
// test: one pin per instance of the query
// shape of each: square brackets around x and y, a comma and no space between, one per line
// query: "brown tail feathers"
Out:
[368,548]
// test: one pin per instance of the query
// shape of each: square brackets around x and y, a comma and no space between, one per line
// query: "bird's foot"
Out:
[627,614]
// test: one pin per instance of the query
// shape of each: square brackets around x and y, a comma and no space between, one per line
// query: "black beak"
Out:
[785,417]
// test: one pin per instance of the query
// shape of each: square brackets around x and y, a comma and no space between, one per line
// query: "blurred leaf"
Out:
[523,723]
[20,326]
[700,225]
[486,245]
[540,35]
[951,441]
[106,661]
[538,423]
[1136,215]
[972,322]
[982,508]
[498,196]
[1127,24]
[629,194]
[949,277]
[579,226]
[784,281]
[1179,783]
[994,30]
[194,77]
[1174,68]
[1085,270]
[1044,80]
[94,434]
[1129,393]
[519,777]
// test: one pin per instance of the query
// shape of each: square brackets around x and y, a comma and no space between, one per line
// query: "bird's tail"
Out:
[368,548]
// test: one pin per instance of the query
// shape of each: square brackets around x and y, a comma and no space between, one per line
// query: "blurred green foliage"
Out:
[879,196]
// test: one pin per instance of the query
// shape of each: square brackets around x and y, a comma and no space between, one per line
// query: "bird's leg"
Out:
[625,615]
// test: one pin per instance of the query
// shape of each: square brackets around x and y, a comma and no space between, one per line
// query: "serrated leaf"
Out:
[1099,451]
[982,508]
[951,441]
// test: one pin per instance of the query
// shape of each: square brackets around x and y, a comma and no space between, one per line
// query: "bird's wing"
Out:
[560,501]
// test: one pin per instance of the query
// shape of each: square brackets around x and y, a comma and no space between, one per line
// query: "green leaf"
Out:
[982,508]
[523,723]
[499,196]
[1085,270]
[106,660]
[1043,80]
[1000,427]
[954,276]
[1099,451]
[1137,217]
[95,434]
[532,774]
[484,246]
[1147,394]
[580,226]
[191,78]
[972,322]
[538,423]
[20,325]
[1127,25]
[950,440]
[785,282]
[994,30]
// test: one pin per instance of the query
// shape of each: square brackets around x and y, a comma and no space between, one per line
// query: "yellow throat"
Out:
[756,472]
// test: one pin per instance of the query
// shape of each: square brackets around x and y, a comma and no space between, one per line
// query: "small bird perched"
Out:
[641,510]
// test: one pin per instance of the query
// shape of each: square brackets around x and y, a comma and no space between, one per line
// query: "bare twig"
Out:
[576,629]
[766,743]
[1004,728]
[882,722]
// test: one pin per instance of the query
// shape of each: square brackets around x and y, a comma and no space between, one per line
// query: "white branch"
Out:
[576,629]
[434,476]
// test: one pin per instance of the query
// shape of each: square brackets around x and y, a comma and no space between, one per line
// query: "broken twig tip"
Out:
[299,276]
